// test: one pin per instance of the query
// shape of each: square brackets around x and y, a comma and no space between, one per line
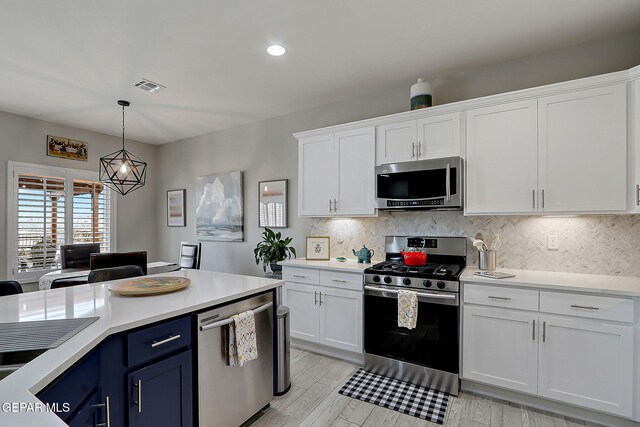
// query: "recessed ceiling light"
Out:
[276,50]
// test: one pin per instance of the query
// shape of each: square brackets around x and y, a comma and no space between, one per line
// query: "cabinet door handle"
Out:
[158,343]
[320,298]
[533,203]
[638,195]
[335,205]
[107,406]
[419,149]
[299,276]
[338,281]
[544,331]
[499,298]
[533,331]
[585,307]
[138,402]
[330,210]
[315,293]
[543,198]
[413,150]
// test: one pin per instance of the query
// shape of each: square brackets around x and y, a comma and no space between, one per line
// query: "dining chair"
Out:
[118,259]
[9,287]
[78,255]
[114,273]
[190,254]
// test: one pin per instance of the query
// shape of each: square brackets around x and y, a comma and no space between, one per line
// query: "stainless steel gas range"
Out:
[429,354]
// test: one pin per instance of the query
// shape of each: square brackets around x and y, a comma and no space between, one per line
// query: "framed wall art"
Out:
[318,248]
[176,214]
[67,148]
[219,208]
[272,203]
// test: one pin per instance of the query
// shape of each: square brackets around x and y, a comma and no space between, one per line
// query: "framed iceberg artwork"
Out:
[219,209]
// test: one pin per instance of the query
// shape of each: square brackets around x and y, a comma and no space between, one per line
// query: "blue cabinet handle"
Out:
[157,343]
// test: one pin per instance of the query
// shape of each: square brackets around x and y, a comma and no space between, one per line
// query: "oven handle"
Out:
[420,294]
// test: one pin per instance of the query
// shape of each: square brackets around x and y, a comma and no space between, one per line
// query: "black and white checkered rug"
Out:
[420,402]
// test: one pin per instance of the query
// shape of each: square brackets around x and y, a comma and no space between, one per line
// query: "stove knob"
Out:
[427,283]
[406,281]
[387,279]
[441,284]
[376,278]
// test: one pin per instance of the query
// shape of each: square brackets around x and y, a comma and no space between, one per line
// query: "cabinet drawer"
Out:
[300,275]
[499,296]
[341,280]
[155,341]
[591,306]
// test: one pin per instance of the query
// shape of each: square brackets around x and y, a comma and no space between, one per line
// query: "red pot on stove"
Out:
[414,257]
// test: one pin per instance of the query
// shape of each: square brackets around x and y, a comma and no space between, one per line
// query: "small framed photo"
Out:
[318,248]
[176,216]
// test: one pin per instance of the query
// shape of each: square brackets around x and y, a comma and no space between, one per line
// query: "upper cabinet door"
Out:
[356,152]
[501,158]
[439,136]
[583,150]
[316,174]
[396,142]
[634,144]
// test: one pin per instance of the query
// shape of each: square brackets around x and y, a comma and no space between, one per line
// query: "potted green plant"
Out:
[273,248]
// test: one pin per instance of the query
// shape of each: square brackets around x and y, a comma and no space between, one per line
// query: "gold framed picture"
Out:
[67,148]
[318,248]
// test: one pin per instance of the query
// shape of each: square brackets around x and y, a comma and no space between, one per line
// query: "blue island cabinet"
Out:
[135,378]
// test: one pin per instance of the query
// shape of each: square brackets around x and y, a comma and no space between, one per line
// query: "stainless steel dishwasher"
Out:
[230,395]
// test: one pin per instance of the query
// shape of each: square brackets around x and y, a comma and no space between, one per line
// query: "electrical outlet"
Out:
[552,242]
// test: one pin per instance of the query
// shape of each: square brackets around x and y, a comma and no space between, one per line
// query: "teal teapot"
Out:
[364,254]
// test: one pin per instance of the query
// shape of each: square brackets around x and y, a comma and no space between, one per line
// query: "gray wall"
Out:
[267,150]
[23,139]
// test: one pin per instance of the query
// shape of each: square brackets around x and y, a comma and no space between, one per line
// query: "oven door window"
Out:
[433,342]
[422,184]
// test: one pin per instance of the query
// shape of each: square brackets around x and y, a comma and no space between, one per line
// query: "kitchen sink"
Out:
[11,361]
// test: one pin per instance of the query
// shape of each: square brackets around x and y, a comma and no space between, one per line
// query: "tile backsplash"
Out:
[603,244]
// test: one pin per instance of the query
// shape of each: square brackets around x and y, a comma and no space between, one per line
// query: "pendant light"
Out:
[121,170]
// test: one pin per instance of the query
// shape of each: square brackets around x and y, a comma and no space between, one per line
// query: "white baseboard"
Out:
[547,405]
[349,356]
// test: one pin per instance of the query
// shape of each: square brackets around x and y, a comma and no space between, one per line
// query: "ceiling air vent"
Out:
[149,86]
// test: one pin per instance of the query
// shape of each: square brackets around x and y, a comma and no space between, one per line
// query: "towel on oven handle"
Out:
[242,339]
[407,309]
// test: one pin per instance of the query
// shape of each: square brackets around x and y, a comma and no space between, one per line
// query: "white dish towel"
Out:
[242,339]
[407,309]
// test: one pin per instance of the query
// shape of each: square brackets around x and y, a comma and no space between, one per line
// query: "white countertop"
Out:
[576,282]
[116,314]
[349,264]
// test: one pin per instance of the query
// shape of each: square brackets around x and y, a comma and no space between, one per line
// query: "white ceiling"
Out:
[70,61]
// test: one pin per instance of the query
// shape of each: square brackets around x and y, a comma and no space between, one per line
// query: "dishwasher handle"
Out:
[229,320]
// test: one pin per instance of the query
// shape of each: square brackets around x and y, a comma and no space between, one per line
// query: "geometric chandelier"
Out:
[121,170]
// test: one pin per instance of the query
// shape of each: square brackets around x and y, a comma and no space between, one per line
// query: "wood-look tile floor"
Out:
[314,401]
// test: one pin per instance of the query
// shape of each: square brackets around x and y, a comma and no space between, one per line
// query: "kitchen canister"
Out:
[487,260]
[421,95]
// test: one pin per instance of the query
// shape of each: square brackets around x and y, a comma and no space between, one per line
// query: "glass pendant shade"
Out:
[122,171]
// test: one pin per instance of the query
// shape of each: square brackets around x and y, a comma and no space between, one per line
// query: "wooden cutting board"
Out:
[144,286]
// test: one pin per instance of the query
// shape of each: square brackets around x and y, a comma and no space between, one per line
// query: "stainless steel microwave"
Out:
[422,184]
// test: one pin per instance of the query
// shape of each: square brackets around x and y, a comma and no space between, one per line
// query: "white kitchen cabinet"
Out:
[302,301]
[634,142]
[582,150]
[583,354]
[587,363]
[500,347]
[336,174]
[341,319]
[564,153]
[316,175]
[426,138]
[501,163]
[326,307]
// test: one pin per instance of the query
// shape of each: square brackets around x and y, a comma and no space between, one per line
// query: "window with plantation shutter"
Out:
[48,207]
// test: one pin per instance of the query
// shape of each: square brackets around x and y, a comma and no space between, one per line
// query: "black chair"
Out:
[78,255]
[118,259]
[10,287]
[114,273]
[190,254]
